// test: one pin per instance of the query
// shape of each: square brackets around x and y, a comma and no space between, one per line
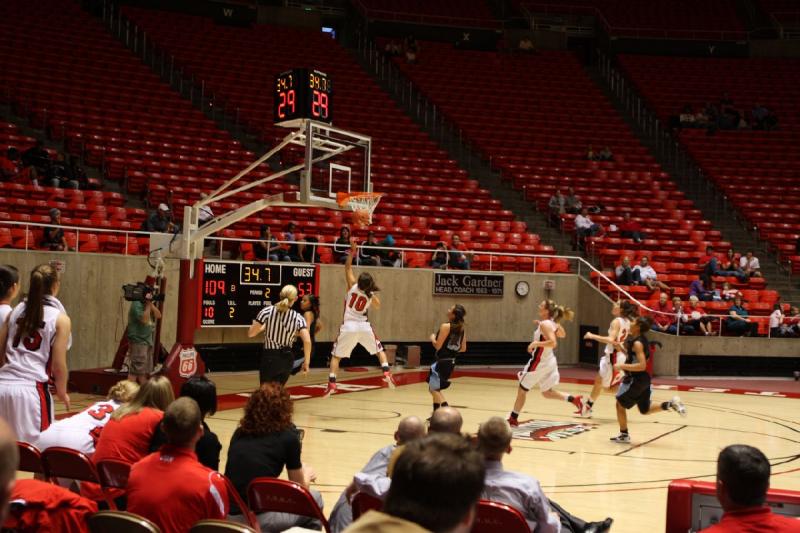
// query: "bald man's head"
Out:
[409,428]
[446,420]
[9,461]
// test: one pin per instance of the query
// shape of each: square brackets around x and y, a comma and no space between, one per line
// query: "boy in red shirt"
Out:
[171,487]
[742,484]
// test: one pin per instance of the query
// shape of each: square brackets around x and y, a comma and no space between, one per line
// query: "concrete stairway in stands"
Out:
[714,208]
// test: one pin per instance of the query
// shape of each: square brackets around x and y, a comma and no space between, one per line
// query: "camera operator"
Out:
[142,318]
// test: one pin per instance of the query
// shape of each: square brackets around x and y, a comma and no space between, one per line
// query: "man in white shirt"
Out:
[749,263]
[521,491]
[584,227]
[647,275]
[410,428]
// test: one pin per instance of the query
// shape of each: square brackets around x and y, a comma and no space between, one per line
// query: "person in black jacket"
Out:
[204,392]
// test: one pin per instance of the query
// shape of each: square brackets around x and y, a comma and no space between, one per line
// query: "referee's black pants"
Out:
[276,365]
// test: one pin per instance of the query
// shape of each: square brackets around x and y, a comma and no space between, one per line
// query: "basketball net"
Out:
[362,204]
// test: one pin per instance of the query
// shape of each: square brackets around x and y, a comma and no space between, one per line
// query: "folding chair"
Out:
[249,515]
[113,474]
[30,459]
[120,522]
[220,526]
[363,502]
[278,495]
[492,517]
[72,464]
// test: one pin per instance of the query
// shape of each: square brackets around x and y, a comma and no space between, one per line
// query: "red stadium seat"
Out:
[492,517]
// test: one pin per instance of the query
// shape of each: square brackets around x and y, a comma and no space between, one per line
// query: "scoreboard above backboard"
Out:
[302,93]
[232,292]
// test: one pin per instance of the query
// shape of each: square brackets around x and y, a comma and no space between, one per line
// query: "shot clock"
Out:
[303,93]
[232,293]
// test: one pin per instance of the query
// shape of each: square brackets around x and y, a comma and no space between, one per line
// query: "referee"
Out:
[280,325]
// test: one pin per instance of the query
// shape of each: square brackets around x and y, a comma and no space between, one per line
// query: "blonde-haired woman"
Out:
[280,325]
[81,431]
[542,369]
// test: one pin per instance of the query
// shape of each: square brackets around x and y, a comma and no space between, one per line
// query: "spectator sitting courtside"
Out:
[742,483]
[521,491]
[436,483]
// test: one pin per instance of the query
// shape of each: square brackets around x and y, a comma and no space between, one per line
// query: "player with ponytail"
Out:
[542,369]
[9,288]
[356,329]
[624,313]
[33,350]
[450,340]
[281,324]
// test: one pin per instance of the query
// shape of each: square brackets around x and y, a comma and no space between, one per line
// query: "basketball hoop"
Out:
[363,205]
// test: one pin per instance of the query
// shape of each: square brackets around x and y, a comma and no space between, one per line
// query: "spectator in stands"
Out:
[605,154]
[738,321]
[791,323]
[58,176]
[557,205]
[53,236]
[711,267]
[389,256]
[716,294]
[341,246]
[775,321]
[368,253]
[295,251]
[648,276]
[11,168]
[729,293]
[268,248]
[392,49]
[663,317]
[630,229]
[173,474]
[697,317]
[526,45]
[687,117]
[584,227]
[75,172]
[308,253]
[759,114]
[521,491]
[160,221]
[37,157]
[458,257]
[681,324]
[436,483]
[440,256]
[590,155]
[411,48]
[624,273]
[204,392]
[409,429]
[749,265]
[205,214]
[698,288]
[742,484]
[266,441]
[573,202]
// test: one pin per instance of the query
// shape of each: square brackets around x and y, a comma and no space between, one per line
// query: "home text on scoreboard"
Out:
[232,292]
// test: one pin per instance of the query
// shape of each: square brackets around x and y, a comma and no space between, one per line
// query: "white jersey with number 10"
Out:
[356,304]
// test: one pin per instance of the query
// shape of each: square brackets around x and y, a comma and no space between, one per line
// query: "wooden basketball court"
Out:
[573,458]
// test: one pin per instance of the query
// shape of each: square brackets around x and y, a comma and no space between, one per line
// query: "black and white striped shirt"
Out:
[280,328]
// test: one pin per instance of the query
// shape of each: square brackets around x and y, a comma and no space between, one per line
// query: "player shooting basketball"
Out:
[355,328]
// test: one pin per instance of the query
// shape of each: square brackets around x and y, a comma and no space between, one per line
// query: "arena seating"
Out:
[470,13]
[538,139]
[679,19]
[755,169]
[430,197]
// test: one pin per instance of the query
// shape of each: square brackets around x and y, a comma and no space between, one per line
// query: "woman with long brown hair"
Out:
[33,349]
[266,441]
[542,369]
